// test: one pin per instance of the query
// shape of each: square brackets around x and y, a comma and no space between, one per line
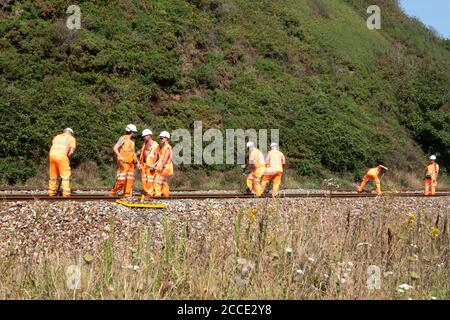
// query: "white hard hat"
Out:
[433,157]
[147,132]
[250,144]
[274,145]
[131,127]
[164,134]
[68,129]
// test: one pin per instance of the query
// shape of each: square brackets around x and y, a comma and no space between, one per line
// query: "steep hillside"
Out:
[342,96]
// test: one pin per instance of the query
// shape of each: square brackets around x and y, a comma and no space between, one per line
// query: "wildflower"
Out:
[246,265]
[88,258]
[132,267]
[404,287]
[412,216]
[288,250]
[300,271]
[312,260]
[252,214]
[435,232]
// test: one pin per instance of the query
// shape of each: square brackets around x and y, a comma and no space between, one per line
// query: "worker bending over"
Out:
[164,166]
[126,160]
[257,165]
[63,146]
[275,161]
[431,173]
[148,157]
[373,174]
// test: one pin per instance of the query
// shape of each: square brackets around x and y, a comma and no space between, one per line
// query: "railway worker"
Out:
[148,156]
[373,174]
[257,165]
[126,159]
[430,176]
[63,146]
[275,161]
[164,166]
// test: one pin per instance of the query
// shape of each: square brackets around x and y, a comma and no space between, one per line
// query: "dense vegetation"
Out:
[343,96]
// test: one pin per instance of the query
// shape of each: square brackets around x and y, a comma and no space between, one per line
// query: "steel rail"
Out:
[204,196]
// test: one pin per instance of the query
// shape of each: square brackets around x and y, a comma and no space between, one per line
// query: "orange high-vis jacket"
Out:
[374,172]
[165,160]
[151,157]
[61,145]
[432,170]
[256,157]
[126,149]
[275,161]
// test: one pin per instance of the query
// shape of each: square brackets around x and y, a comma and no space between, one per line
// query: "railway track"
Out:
[204,196]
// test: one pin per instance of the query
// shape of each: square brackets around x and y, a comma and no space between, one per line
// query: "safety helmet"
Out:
[68,129]
[147,132]
[250,144]
[433,157]
[164,134]
[273,144]
[131,127]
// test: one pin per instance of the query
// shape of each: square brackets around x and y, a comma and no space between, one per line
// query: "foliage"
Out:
[342,96]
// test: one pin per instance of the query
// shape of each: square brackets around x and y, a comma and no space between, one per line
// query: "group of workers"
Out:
[154,160]
[430,177]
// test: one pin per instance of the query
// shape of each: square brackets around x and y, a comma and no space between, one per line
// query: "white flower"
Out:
[132,267]
[310,259]
[288,250]
[405,287]
[300,271]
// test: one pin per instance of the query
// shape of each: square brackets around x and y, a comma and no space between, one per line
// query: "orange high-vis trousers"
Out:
[430,187]
[148,180]
[254,181]
[124,179]
[375,180]
[59,166]
[161,185]
[276,182]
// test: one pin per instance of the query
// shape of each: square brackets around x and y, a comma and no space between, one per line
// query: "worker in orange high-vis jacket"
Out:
[126,159]
[148,157]
[164,166]
[374,175]
[63,146]
[430,176]
[257,165]
[275,161]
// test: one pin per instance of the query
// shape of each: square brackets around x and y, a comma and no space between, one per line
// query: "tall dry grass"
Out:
[271,250]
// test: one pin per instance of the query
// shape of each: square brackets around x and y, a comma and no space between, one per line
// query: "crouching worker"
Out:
[164,166]
[63,146]
[257,165]
[431,174]
[147,158]
[275,161]
[126,160]
[373,174]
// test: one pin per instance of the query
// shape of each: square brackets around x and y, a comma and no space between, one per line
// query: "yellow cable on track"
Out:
[143,205]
